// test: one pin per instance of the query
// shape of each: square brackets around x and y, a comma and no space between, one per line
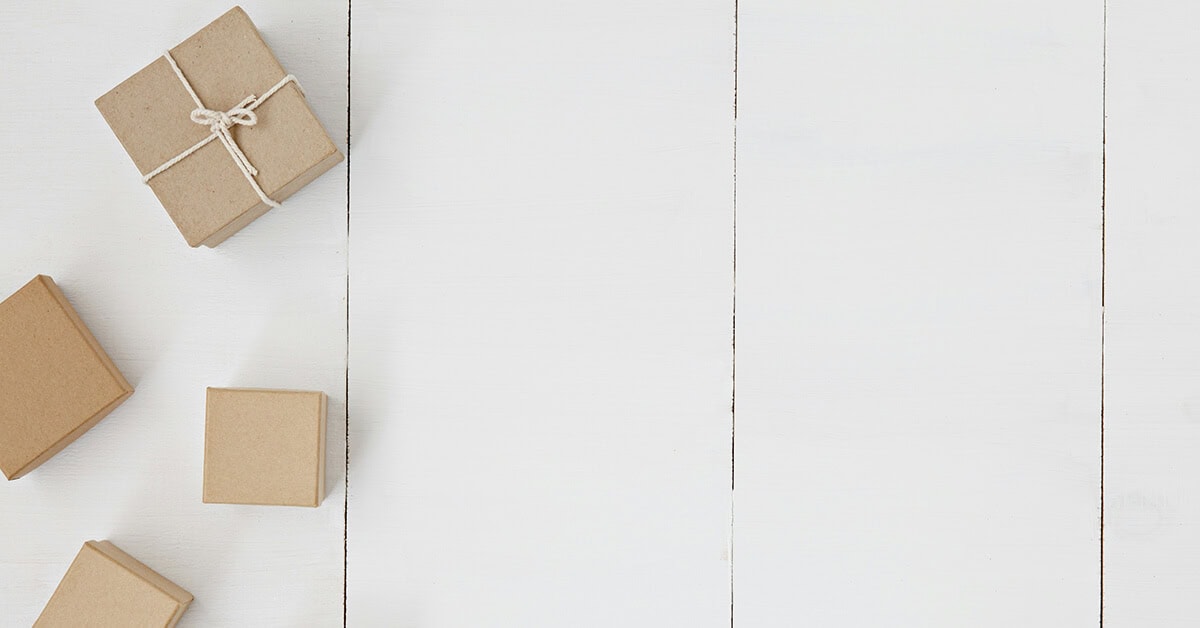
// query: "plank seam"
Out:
[346,473]
[733,325]
[1103,275]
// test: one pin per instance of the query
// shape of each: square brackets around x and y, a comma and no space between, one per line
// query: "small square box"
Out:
[222,87]
[264,447]
[107,588]
[56,382]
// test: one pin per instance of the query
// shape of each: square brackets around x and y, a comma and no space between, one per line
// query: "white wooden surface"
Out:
[265,309]
[541,288]
[541,292]
[1152,429]
[918,347]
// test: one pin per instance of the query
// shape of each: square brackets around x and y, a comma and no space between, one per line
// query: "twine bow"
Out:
[219,122]
[220,125]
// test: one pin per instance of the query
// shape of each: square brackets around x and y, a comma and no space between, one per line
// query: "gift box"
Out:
[105,587]
[219,130]
[264,447]
[56,382]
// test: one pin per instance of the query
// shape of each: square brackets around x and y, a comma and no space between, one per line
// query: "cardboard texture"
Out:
[56,382]
[206,194]
[264,447]
[107,588]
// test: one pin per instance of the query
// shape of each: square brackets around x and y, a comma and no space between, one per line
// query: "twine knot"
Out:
[218,121]
[220,124]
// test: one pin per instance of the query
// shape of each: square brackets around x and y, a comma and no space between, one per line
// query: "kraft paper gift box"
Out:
[264,447]
[224,88]
[107,588]
[56,382]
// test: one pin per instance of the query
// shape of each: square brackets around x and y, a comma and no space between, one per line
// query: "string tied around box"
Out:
[220,125]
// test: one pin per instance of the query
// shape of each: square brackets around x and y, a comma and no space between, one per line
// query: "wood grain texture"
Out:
[265,309]
[1152,349]
[541,287]
[540,290]
[918,349]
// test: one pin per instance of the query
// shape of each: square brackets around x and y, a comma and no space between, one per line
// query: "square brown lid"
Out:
[55,379]
[225,62]
[107,588]
[264,447]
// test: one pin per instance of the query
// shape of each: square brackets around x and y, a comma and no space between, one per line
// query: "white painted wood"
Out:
[540,302]
[918,348]
[540,296]
[265,309]
[1152,348]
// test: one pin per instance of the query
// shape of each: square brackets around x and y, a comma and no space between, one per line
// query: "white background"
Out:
[266,309]
[953,297]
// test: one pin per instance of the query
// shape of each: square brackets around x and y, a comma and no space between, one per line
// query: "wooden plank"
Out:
[1152,352]
[265,309]
[918,325]
[541,288]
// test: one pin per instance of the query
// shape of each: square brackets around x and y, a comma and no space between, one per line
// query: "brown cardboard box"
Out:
[56,382]
[206,193]
[107,588]
[264,447]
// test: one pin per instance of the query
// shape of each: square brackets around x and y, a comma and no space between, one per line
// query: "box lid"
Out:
[264,447]
[55,379]
[224,62]
[105,587]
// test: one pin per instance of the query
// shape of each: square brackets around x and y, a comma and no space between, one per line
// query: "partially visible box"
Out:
[264,447]
[56,382]
[107,588]
[265,144]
